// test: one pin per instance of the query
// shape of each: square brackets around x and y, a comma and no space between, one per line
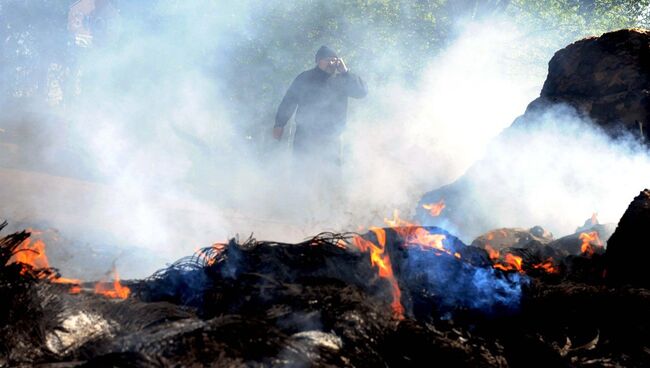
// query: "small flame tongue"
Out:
[412,235]
[589,241]
[113,290]
[379,258]
[548,266]
[415,235]
[435,209]
[509,262]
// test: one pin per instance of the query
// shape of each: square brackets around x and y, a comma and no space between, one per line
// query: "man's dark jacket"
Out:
[321,100]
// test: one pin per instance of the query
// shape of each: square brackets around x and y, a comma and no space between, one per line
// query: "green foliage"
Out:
[565,21]
[579,17]
[552,24]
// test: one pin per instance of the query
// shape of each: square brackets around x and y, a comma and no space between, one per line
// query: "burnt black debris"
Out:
[322,302]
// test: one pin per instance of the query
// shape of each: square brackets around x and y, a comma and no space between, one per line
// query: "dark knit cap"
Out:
[324,52]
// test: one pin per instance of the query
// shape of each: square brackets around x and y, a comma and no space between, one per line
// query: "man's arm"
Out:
[286,109]
[354,86]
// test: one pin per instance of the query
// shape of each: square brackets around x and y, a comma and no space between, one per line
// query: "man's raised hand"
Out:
[340,66]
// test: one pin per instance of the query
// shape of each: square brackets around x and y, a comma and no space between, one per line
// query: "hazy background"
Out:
[145,133]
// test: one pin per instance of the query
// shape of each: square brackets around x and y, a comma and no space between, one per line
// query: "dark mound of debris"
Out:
[628,249]
[407,296]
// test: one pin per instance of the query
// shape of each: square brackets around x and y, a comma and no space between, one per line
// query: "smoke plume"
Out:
[143,144]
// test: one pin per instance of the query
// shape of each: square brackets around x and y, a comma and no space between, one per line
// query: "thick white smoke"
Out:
[426,137]
[162,163]
[555,172]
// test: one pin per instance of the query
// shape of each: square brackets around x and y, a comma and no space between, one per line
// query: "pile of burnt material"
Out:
[400,296]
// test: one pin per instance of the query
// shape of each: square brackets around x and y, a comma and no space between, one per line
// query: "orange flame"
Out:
[511,262]
[207,256]
[113,290]
[588,242]
[492,253]
[341,244]
[547,266]
[64,280]
[435,209]
[381,260]
[415,235]
[396,221]
[514,263]
[33,254]
[425,240]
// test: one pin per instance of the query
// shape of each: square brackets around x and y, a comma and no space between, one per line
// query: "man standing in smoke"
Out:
[319,97]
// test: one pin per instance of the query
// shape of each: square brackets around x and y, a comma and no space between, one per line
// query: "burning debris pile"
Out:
[401,295]
[395,296]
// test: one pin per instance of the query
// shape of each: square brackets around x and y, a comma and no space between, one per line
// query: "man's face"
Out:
[328,64]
